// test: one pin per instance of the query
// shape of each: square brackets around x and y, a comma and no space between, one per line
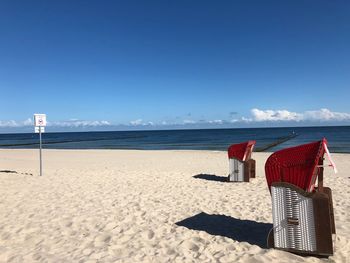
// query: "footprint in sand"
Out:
[190,246]
[87,252]
[102,240]
[148,234]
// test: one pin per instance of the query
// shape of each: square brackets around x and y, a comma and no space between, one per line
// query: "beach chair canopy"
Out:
[241,151]
[297,165]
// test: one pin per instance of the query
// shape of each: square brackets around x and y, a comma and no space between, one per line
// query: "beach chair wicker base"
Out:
[302,221]
[241,171]
[270,244]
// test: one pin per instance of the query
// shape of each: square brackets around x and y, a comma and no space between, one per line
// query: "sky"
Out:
[109,65]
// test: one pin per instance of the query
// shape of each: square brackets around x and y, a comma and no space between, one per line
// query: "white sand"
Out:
[124,206]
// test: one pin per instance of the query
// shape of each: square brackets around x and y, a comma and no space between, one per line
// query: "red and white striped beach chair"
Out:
[242,166]
[303,219]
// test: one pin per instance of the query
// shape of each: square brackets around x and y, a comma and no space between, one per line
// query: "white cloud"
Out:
[28,122]
[140,122]
[13,124]
[216,122]
[78,123]
[285,115]
[10,123]
[189,122]
[326,115]
[275,115]
[136,122]
[69,123]
[257,116]
[244,119]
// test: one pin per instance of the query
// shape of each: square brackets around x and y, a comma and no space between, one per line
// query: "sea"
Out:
[267,139]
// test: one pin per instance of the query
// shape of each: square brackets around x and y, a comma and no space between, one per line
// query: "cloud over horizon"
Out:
[14,124]
[322,115]
[257,117]
[78,123]
[68,123]
[140,122]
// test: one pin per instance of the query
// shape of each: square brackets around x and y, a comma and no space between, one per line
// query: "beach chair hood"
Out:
[241,151]
[297,165]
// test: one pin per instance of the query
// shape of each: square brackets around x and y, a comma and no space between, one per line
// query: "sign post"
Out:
[40,123]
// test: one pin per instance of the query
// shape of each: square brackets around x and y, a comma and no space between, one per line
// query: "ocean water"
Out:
[205,139]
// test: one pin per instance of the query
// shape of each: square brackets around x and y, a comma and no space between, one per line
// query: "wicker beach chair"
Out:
[303,219]
[242,166]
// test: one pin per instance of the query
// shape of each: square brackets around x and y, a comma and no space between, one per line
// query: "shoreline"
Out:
[130,149]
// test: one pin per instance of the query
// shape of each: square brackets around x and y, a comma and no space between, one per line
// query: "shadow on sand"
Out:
[249,231]
[211,177]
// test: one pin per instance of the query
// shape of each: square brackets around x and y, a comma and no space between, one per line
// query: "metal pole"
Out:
[41,173]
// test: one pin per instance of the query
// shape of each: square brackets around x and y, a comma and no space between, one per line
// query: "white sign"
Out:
[40,123]
[40,120]
[36,129]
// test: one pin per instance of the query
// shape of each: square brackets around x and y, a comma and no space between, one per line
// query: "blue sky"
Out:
[162,64]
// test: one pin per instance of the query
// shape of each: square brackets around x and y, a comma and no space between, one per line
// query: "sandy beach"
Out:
[145,206]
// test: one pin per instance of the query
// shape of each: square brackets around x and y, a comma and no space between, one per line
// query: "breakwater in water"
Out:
[276,143]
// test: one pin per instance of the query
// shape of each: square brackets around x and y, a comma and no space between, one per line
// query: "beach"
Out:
[145,206]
